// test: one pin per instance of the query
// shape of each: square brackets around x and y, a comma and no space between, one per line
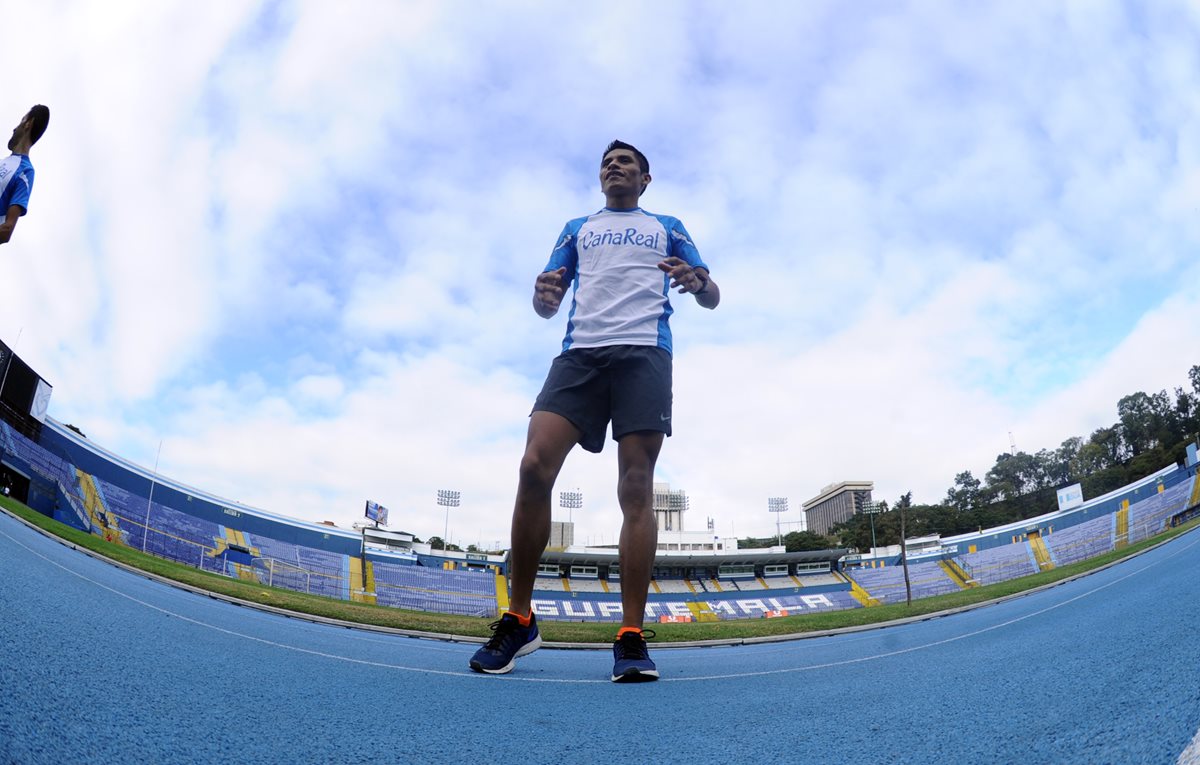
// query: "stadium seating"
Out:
[673,586]
[424,588]
[744,585]
[818,580]
[779,583]
[886,584]
[587,585]
[296,567]
[999,564]
[1084,540]
[1151,515]
[549,584]
[41,461]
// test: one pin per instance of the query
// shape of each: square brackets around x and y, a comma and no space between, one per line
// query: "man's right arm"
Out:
[548,291]
[10,222]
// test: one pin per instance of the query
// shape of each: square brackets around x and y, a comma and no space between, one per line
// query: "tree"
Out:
[1013,475]
[800,541]
[1091,458]
[966,494]
[1060,469]
[1145,420]
[1109,441]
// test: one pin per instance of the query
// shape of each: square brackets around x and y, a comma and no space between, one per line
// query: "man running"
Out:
[622,263]
[16,172]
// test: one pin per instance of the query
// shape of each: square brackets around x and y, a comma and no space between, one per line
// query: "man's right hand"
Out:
[548,292]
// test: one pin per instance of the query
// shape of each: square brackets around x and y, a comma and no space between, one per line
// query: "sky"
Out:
[285,251]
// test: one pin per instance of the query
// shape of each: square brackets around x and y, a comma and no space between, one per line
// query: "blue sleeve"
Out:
[22,186]
[565,252]
[679,244]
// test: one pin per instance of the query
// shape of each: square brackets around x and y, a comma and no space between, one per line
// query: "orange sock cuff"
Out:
[623,630]
[524,620]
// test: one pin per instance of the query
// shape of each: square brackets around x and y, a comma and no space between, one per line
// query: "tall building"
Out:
[836,504]
[669,507]
[562,535]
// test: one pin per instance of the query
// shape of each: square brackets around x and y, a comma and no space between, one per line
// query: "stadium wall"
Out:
[92,459]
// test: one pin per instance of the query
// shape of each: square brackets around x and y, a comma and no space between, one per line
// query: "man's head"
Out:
[623,169]
[30,128]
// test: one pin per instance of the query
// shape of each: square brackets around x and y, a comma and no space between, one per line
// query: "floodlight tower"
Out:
[777,505]
[572,500]
[448,499]
[872,509]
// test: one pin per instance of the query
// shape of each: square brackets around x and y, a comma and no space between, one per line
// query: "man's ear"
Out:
[645,182]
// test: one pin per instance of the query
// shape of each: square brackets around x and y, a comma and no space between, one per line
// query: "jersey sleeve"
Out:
[22,188]
[565,252]
[679,244]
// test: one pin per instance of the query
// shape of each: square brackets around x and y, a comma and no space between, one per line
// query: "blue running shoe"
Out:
[631,659]
[509,640]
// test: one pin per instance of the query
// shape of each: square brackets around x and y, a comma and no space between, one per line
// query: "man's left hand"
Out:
[683,276]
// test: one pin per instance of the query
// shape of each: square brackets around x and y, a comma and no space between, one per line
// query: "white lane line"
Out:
[728,676]
[1191,755]
[275,644]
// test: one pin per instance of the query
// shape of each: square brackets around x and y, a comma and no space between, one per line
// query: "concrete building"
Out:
[669,507]
[836,504]
[562,535]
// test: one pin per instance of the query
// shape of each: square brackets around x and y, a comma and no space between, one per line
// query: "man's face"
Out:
[19,130]
[620,173]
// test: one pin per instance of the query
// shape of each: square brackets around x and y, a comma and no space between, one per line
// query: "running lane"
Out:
[101,665]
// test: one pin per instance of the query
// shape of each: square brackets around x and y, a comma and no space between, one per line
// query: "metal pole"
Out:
[904,556]
[873,545]
[149,499]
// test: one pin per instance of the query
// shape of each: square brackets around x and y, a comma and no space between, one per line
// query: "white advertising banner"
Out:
[41,401]
[1070,496]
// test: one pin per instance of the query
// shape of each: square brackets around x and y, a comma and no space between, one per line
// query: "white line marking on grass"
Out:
[729,676]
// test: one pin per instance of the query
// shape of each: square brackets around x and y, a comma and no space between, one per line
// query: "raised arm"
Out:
[10,222]
[548,291]
[694,281]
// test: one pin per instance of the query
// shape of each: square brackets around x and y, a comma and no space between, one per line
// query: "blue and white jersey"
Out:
[16,183]
[620,297]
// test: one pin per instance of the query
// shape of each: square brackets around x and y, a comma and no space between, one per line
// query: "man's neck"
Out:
[621,201]
[21,147]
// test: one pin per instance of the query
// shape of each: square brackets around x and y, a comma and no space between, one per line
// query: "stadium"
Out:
[60,473]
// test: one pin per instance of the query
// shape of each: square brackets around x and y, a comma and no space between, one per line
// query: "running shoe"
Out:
[509,640]
[632,662]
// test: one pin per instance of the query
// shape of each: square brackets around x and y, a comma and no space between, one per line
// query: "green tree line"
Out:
[1151,431]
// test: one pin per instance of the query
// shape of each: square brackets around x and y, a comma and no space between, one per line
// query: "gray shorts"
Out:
[627,384]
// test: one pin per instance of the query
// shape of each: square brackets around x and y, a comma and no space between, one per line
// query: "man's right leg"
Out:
[550,439]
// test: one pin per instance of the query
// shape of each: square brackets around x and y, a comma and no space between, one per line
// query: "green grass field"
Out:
[567,632]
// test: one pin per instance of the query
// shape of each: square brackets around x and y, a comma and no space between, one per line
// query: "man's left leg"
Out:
[636,455]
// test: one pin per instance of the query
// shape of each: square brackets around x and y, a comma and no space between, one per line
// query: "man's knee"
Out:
[537,473]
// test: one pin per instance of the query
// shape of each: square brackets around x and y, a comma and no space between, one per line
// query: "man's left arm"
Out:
[709,295]
[693,280]
[688,272]
[10,222]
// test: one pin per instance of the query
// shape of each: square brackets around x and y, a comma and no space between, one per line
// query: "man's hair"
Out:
[643,163]
[41,118]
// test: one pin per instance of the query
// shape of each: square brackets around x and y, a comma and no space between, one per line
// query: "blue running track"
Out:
[99,665]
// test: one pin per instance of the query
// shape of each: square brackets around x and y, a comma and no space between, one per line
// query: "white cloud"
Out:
[297,243]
